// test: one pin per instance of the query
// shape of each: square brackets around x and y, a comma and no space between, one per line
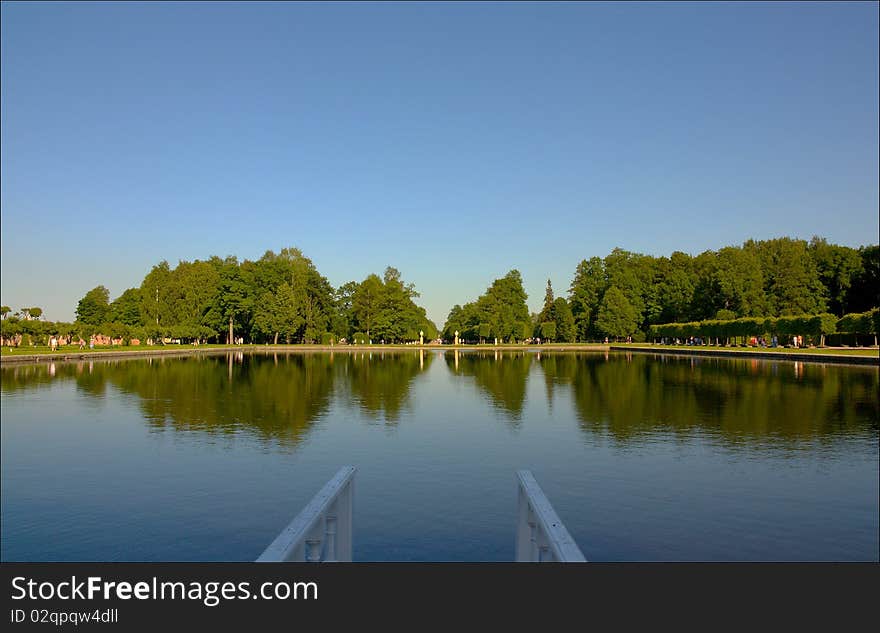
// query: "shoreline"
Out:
[787,356]
[192,351]
[561,347]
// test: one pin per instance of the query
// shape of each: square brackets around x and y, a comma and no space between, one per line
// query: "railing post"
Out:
[523,534]
[344,530]
[330,538]
[533,537]
[313,547]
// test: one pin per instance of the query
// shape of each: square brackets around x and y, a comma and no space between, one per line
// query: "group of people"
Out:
[762,342]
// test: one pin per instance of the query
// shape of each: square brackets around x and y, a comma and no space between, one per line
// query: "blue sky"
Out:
[452,141]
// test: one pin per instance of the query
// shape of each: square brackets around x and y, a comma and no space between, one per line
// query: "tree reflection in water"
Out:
[280,396]
[738,400]
[502,375]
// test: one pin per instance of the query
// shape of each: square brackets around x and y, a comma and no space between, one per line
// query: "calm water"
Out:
[643,457]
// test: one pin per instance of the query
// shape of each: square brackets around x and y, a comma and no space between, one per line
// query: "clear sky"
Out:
[452,141]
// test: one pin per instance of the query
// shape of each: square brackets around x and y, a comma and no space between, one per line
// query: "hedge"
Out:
[817,325]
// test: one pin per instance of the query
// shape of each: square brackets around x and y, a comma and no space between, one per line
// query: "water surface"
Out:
[643,457]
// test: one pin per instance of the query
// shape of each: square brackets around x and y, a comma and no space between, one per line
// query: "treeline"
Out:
[625,293]
[817,326]
[278,298]
[283,298]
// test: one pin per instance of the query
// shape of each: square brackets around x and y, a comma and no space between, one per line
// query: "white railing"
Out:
[540,535]
[322,531]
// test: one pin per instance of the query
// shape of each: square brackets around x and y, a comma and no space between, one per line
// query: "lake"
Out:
[644,457]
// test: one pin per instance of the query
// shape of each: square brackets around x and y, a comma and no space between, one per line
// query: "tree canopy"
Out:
[502,308]
[282,297]
[776,277]
[94,307]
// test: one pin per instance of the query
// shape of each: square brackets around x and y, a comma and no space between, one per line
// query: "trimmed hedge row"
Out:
[817,325]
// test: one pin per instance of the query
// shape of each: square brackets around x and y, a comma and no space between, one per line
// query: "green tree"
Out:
[548,310]
[547,331]
[864,292]
[278,313]
[502,307]
[617,317]
[837,266]
[632,274]
[94,307]
[791,279]
[585,292]
[4,310]
[740,281]
[343,318]
[366,303]
[673,288]
[234,300]
[154,295]
[35,313]
[484,332]
[564,320]
[126,308]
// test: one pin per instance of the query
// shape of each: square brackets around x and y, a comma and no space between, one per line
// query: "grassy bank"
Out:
[836,351]
[74,350]
[71,350]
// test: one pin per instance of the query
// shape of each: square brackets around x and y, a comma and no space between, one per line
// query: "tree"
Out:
[586,290]
[617,317]
[366,303]
[548,310]
[632,274]
[564,320]
[837,266]
[484,332]
[35,313]
[4,310]
[343,318]
[502,308]
[791,279]
[154,295]
[672,291]
[547,331]
[233,301]
[189,294]
[548,299]
[740,281]
[94,307]
[278,312]
[126,308]
[864,292]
